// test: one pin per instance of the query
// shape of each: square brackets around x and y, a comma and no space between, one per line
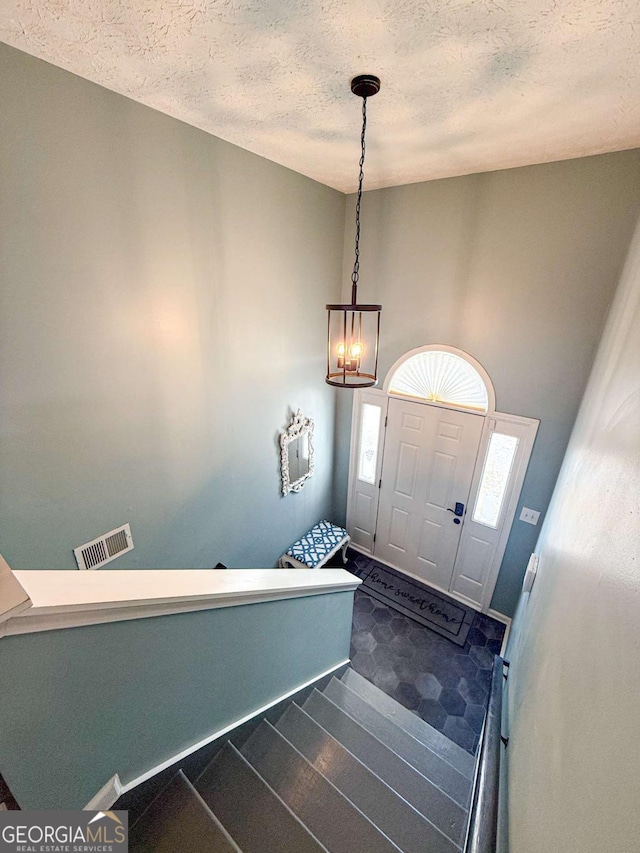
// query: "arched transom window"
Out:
[442,377]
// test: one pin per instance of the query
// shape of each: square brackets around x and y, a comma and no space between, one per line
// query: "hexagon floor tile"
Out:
[445,684]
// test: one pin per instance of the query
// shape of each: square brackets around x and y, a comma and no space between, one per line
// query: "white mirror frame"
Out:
[298,427]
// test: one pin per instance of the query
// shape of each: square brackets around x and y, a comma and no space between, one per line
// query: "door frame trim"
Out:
[353,453]
[530,424]
[499,421]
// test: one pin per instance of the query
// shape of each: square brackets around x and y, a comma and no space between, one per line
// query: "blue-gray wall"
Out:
[163,311]
[80,704]
[517,268]
[161,314]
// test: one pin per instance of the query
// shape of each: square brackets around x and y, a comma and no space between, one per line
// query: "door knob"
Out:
[459,510]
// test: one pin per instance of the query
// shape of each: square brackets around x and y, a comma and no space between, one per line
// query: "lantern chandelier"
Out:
[353,330]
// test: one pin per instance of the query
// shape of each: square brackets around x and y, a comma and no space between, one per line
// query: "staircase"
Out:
[350,770]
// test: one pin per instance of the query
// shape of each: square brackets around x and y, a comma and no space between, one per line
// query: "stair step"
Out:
[328,814]
[254,815]
[446,777]
[448,816]
[179,819]
[399,821]
[448,750]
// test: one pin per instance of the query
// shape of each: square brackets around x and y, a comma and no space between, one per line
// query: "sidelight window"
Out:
[369,439]
[498,463]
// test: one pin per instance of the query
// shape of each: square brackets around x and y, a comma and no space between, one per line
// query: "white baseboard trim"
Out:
[506,620]
[110,792]
[106,796]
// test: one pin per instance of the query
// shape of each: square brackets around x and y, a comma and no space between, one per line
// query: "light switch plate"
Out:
[530,574]
[529,515]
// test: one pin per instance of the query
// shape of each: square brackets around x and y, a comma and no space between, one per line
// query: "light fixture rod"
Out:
[355,275]
[364,86]
[353,341]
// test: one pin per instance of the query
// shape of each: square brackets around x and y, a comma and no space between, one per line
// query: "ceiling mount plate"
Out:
[365,85]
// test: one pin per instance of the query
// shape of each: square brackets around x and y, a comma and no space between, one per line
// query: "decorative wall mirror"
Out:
[296,453]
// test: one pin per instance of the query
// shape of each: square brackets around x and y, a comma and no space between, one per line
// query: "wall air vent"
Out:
[105,548]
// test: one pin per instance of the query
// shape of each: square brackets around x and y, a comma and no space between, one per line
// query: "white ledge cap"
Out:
[65,599]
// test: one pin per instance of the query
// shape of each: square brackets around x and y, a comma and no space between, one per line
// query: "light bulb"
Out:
[356,349]
[340,350]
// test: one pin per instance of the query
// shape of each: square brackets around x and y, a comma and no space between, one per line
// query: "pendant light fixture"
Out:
[353,330]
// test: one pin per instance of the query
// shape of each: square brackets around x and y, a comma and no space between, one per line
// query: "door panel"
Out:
[472,567]
[407,468]
[398,529]
[447,430]
[441,480]
[482,545]
[369,411]
[429,542]
[428,466]
[363,511]
[411,422]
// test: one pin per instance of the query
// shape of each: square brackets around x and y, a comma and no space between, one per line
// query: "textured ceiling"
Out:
[467,85]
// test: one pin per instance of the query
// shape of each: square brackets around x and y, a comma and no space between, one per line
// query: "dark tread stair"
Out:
[447,750]
[250,810]
[442,774]
[400,822]
[350,771]
[179,819]
[449,817]
[330,816]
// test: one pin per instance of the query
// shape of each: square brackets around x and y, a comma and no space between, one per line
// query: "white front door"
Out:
[429,459]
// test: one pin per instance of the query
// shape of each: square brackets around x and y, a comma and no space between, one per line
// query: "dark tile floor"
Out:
[445,684]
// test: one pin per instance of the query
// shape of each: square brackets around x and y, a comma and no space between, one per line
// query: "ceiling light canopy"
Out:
[353,330]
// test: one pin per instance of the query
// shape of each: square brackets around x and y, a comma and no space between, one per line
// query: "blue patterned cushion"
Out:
[317,543]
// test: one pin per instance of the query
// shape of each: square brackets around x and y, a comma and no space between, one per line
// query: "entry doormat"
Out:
[433,609]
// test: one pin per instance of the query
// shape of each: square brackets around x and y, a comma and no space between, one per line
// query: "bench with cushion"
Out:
[316,547]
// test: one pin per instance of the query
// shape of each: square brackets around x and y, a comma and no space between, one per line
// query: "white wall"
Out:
[574,686]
